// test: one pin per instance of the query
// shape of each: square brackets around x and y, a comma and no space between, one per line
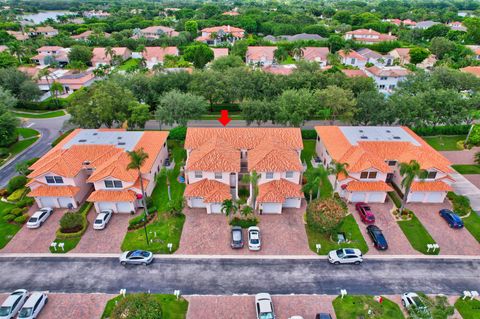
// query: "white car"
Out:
[412,300]
[13,303]
[102,219]
[254,241]
[34,305]
[136,257]
[39,217]
[264,306]
[345,256]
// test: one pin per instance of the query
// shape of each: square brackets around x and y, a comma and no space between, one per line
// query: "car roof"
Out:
[37,213]
[138,252]
[265,305]
[33,299]
[350,251]
[10,300]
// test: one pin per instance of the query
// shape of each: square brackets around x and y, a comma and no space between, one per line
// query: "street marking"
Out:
[31,124]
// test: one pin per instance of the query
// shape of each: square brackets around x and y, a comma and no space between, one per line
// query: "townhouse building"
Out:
[387,78]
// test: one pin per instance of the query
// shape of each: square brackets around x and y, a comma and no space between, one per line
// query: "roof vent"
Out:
[82,141]
[388,131]
[119,138]
[95,134]
[396,137]
[121,143]
[86,163]
[364,137]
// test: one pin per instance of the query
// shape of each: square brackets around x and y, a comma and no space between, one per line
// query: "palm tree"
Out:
[410,171]
[55,88]
[109,52]
[229,208]
[246,211]
[17,50]
[315,178]
[137,159]
[164,173]
[46,74]
[252,178]
[337,168]
[297,52]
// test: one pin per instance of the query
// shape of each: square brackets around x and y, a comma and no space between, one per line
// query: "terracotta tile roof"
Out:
[278,191]
[225,28]
[215,155]
[393,71]
[280,69]
[112,196]
[258,53]
[379,186]
[364,32]
[474,48]
[219,52]
[54,191]
[210,190]
[434,186]
[156,28]
[314,53]
[352,55]
[100,54]
[231,13]
[47,48]
[475,70]
[354,73]
[272,156]
[159,53]
[44,29]
[86,34]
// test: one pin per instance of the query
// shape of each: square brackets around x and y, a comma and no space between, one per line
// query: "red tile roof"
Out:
[54,191]
[394,71]
[475,70]
[313,53]
[354,73]
[352,55]
[210,190]
[377,186]
[278,191]
[433,186]
[112,196]
[159,53]
[258,53]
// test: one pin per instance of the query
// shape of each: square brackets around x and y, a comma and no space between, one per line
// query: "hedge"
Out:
[442,130]
[309,134]
[461,204]
[17,195]
[61,137]
[18,211]
[21,219]
[25,202]
[84,209]
[138,222]
[244,222]
[178,133]
[9,218]
[15,183]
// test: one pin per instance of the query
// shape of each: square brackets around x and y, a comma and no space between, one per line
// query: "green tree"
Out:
[294,107]
[138,306]
[337,168]
[441,47]
[473,29]
[80,53]
[325,215]
[418,54]
[139,114]
[257,111]
[252,178]
[8,122]
[7,60]
[19,85]
[198,54]
[227,62]
[55,89]
[192,27]
[315,178]
[209,84]
[17,49]
[370,108]
[175,107]
[409,172]
[340,102]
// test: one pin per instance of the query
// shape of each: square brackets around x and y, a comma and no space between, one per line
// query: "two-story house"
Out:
[368,36]
[46,31]
[220,34]
[315,54]
[48,55]
[218,158]
[155,32]
[352,58]
[102,57]
[376,58]
[260,55]
[156,55]
[87,35]
[373,155]
[387,78]
[92,164]
[70,80]
[476,50]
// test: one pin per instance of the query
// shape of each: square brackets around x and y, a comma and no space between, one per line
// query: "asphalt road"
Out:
[49,128]
[229,276]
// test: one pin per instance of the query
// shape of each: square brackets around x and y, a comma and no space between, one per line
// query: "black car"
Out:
[377,237]
[323,316]
[237,237]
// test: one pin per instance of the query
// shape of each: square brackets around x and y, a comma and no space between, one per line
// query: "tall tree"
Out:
[8,122]
[409,172]
[80,53]
[229,208]
[198,54]
[295,107]
[252,178]
[340,102]
[315,178]
[337,168]
[175,107]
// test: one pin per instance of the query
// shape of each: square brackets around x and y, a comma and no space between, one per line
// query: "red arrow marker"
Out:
[224,119]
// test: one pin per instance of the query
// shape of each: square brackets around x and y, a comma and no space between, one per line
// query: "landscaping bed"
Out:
[471,220]
[467,168]
[7,230]
[29,136]
[417,235]
[354,307]
[468,309]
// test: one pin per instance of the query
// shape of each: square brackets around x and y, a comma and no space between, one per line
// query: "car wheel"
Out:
[145,264]
[357,263]
[403,303]
[123,263]
[451,226]
[46,301]
[336,263]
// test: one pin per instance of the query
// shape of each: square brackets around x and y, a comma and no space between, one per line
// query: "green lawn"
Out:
[444,142]
[167,227]
[171,307]
[7,230]
[417,235]
[468,309]
[38,115]
[467,169]
[129,65]
[353,307]
[27,132]
[472,223]
[30,135]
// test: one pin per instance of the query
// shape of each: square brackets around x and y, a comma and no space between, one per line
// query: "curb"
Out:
[21,153]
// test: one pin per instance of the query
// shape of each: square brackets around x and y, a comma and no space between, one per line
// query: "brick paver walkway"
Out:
[461,157]
[282,234]
[474,179]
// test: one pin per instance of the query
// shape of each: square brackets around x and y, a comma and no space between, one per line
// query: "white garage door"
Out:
[292,203]
[197,202]
[107,205]
[376,197]
[216,208]
[436,197]
[124,207]
[271,208]
[357,197]
[64,201]
[49,202]
[417,197]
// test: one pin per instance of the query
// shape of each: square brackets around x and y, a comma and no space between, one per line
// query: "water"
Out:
[44,15]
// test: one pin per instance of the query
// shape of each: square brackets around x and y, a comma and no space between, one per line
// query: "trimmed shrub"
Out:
[4,152]
[474,138]
[244,222]
[15,183]
[178,133]
[325,215]
[25,202]
[461,204]
[138,306]
[7,210]
[18,211]
[309,134]
[442,130]
[9,218]
[138,221]
[21,219]
[16,195]
[71,222]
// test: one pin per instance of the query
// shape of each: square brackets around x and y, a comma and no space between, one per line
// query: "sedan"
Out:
[377,237]
[323,316]
[13,303]
[453,220]
[264,306]
[39,217]
[254,241]
[102,219]
[345,256]
[34,305]
[237,237]
[365,213]
[136,257]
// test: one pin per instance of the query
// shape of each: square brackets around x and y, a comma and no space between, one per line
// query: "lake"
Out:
[44,15]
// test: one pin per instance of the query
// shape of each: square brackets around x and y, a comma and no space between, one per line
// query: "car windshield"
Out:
[25,312]
[237,235]
[4,311]
[32,219]
[340,253]
[266,315]
[418,302]
[366,208]
[254,241]
[98,221]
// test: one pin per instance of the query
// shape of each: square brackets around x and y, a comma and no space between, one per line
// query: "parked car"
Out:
[453,220]
[264,306]
[13,303]
[296,317]
[34,305]
[254,240]
[102,219]
[323,316]
[378,239]
[39,217]
[237,237]
[412,302]
[136,257]
[345,256]
[365,213]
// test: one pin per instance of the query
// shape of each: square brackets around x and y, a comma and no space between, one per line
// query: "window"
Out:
[117,184]
[198,174]
[392,163]
[383,78]
[372,175]
[391,86]
[113,184]
[108,184]
[431,175]
[368,175]
[289,174]
[269,175]
[363,175]
[218,175]
[54,179]
[352,61]
[381,87]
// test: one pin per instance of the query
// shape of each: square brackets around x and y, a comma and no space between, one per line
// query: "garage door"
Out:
[436,197]
[64,201]
[107,205]
[292,203]
[124,207]
[197,202]
[357,197]
[49,202]
[377,197]
[216,208]
[271,208]
[417,197]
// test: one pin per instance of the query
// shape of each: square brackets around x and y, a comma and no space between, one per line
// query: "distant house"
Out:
[70,80]
[100,56]
[280,69]
[354,73]
[428,63]
[398,22]
[31,71]
[48,55]
[368,36]
[96,14]
[156,55]
[85,35]
[231,13]
[457,26]
[19,35]
[219,52]
[387,78]
[475,70]
[476,50]
[220,34]
[260,55]
[155,32]
[292,38]
[316,54]
[376,58]
[46,31]
[402,55]
[3,48]
[423,25]
[352,58]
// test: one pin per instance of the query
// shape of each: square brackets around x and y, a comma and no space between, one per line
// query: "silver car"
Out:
[34,305]
[39,217]
[254,240]
[345,256]
[13,303]
[136,257]
[102,219]
[264,306]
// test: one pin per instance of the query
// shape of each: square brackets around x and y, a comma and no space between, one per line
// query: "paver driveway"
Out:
[107,240]
[243,307]
[35,240]
[451,241]
[282,234]
[398,244]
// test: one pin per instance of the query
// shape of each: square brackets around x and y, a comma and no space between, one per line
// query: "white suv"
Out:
[264,306]
[102,219]
[345,256]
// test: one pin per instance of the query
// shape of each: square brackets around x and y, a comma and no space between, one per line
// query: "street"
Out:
[238,276]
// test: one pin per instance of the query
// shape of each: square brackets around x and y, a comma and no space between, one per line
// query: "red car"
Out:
[365,212]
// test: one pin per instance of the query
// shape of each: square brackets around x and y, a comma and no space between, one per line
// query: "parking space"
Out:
[35,240]
[451,241]
[398,244]
[72,306]
[107,240]
[243,307]
[282,234]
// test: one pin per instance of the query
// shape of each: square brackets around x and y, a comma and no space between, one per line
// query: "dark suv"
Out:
[237,237]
